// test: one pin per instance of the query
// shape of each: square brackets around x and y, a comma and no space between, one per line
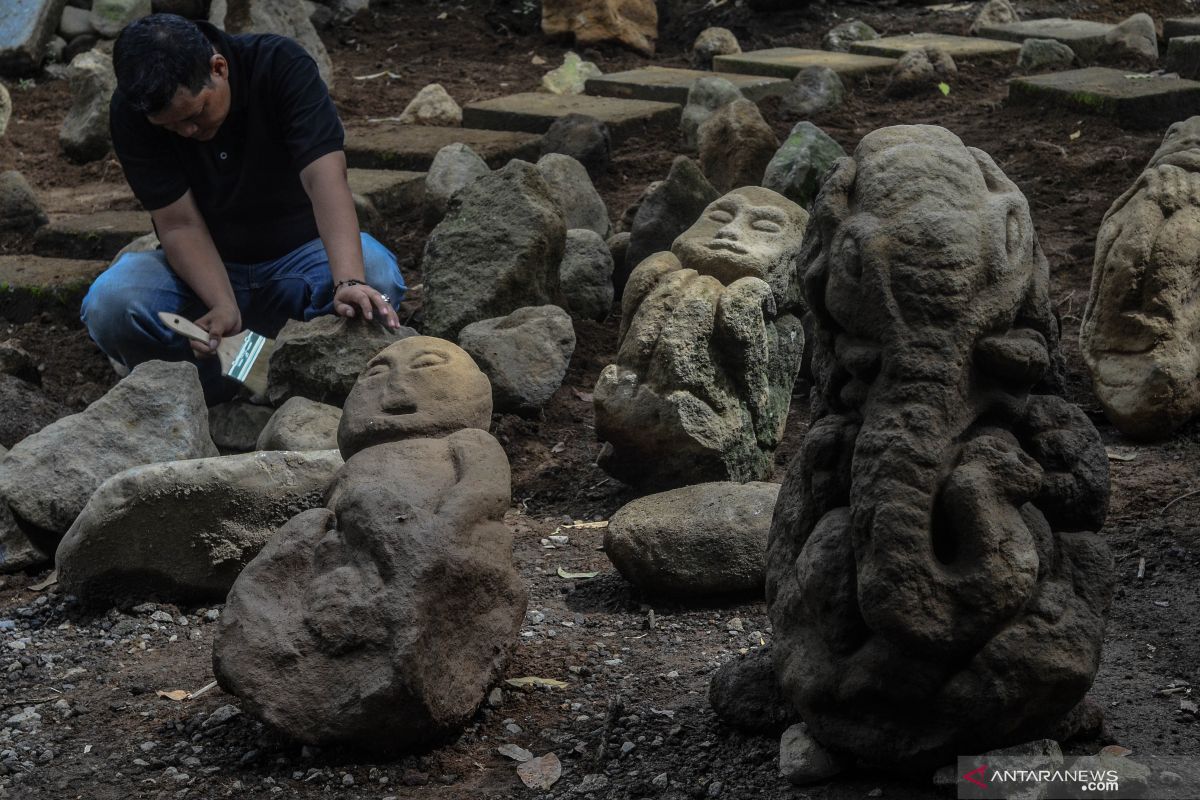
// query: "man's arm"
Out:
[333,206]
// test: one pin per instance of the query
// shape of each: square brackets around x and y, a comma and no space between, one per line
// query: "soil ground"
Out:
[633,676]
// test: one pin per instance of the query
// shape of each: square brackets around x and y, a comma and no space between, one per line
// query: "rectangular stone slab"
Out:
[1181,26]
[1083,36]
[31,284]
[392,192]
[786,62]
[960,48]
[1143,102]
[98,235]
[535,112]
[670,85]
[25,27]
[388,145]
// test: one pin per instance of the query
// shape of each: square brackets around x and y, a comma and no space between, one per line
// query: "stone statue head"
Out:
[1180,147]
[418,387]
[749,232]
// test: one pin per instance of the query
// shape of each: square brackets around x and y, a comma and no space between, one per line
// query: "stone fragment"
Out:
[1180,26]
[814,90]
[388,145]
[1039,55]
[321,359]
[524,355]
[108,17]
[433,105]
[283,17]
[1084,37]
[1140,336]
[1145,102]
[709,347]
[5,108]
[745,693]
[54,51]
[498,249]
[571,77]
[583,138]
[381,620]
[586,275]
[572,189]
[883,578]
[84,134]
[785,62]
[535,112]
[632,23]
[27,409]
[25,27]
[1134,39]
[19,207]
[672,85]
[183,530]
[713,42]
[664,213]
[921,71]
[994,12]
[236,424]
[1183,56]
[16,551]
[802,759]
[960,48]
[841,37]
[736,144]
[696,541]
[75,22]
[301,424]
[705,96]
[455,166]
[797,167]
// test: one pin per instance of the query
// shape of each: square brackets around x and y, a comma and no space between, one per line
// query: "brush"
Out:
[243,356]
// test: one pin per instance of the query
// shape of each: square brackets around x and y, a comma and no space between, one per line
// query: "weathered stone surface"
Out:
[583,138]
[952,557]
[1148,101]
[705,96]
[713,42]
[921,71]
[802,759]
[155,414]
[91,236]
[84,134]
[572,189]
[433,105]
[413,147]
[1140,335]
[796,168]
[27,409]
[19,207]
[1042,54]
[497,250]
[664,213]
[841,37]
[1183,56]
[813,91]
[183,530]
[1084,37]
[632,23]
[695,541]
[994,12]
[236,424]
[455,166]
[525,355]
[25,27]
[585,275]
[108,17]
[736,144]
[284,17]
[708,350]
[671,85]
[745,693]
[301,424]
[535,112]
[1133,40]
[321,359]
[960,48]
[785,62]
[571,77]
[381,620]
[75,22]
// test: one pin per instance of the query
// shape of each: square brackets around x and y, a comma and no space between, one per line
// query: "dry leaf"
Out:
[51,579]
[530,680]
[1076,135]
[541,772]
[515,752]
[538,61]
[175,694]
[575,576]
[558,448]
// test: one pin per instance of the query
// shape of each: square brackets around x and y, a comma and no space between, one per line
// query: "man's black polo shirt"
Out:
[246,181]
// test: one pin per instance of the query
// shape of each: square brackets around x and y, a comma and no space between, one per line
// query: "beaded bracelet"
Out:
[348,282]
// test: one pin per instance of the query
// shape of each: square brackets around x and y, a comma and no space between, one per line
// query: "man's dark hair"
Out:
[155,56]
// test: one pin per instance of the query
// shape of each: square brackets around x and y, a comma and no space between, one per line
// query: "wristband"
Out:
[348,282]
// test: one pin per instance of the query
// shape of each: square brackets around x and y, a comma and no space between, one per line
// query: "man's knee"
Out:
[382,270]
[117,307]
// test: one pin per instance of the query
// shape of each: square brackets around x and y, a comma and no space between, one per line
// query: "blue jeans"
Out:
[121,307]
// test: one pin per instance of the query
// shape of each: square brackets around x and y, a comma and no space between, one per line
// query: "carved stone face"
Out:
[417,387]
[750,232]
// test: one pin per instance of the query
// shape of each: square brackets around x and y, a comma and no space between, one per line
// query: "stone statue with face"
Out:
[382,619]
[710,344]
[1141,329]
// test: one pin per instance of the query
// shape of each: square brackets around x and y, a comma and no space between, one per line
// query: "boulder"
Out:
[109,17]
[713,42]
[182,531]
[840,38]
[797,167]
[235,425]
[632,23]
[736,144]
[586,275]
[27,409]
[84,135]
[920,71]
[433,105]
[1038,55]
[705,96]
[802,759]
[814,90]
[498,249]
[19,207]
[1133,40]
[583,138]
[571,77]
[572,189]
[75,22]
[284,17]
[525,355]
[454,166]
[994,12]
[664,213]
[301,424]
[745,693]
[696,541]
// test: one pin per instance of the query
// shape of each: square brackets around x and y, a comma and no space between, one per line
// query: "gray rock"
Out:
[498,249]
[320,359]
[796,169]
[744,693]
[455,166]
[572,189]
[525,355]
[108,17]
[1134,39]
[155,414]
[27,410]
[802,759]
[713,42]
[921,71]
[583,138]
[841,37]
[994,12]
[618,246]
[5,108]
[235,425]
[84,134]
[19,207]
[16,551]
[586,275]
[75,22]
[571,77]
[284,17]
[695,541]
[814,90]
[705,96]
[301,424]
[28,26]
[1038,55]
[433,105]
[54,54]
[182,531]
[16,361]
[736,144]
[664,213]
[1183,56]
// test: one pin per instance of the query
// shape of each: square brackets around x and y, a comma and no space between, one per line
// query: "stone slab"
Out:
[1181,26]
[670,85]
[392,192]
[960,48]
[387,145]
[25,27]
[535,112]
[786,62]
[30,285]
[1083,36]
[89,236]
[1144,102]
[1183,56]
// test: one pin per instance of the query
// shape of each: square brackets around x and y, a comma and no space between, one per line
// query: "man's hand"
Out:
[219,322]
[350,300]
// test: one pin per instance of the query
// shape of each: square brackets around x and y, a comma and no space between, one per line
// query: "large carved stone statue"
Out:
[382,619]
[1141,330]
[710,344]
[934,580]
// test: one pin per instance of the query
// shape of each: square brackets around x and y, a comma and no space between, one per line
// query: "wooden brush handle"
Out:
[185,327]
